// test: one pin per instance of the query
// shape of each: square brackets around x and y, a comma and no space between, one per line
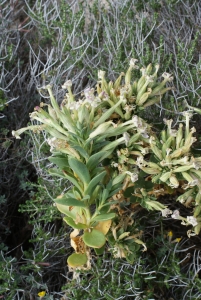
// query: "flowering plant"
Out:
[100,146]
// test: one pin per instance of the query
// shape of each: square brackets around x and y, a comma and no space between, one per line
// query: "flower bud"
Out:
[179,135]
[141,82]
[118,81]
[182,169]
[156,151]
[101,129]
[143,98]
[174,182]
[150,171]
[165,176]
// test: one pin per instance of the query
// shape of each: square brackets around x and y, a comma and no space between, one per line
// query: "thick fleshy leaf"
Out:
[71,222]
[68,210]
[118,179]
[61,162]
[82,152]
[94,239]
[56,172]
[95,159]
[114,144]
[74,181]
[80,170]
[93,183]
[107,114]
[69,202]
[103,226]
[97,170]
[104,217]
[77,260]
[104,195]
[115,191]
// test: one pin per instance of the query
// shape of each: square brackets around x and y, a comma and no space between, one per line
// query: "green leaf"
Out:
[134,199]
[113,192]
[107,114]
[140,183]
[69,202]
[104,195]
[71,222]
[95,159]
[77,260]
[108,204]
[129,191]
[67,211]
[104,209]
[123,235]
[82,152]
[94,239]
[118,179]
[99,251]
[114,144]
[56,172]
[61,162]
[80,169]
[74,181]
[96,171]
[93,183]
[152,204]
[97,144]
[104,217]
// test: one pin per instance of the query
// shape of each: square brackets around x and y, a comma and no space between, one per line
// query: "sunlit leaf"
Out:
[118,179]
[61,162]
[93,183]
[82,152]
[77,260]
[68,210]
[72,223]
[95,159]
[104,217]
[94,238]
[104,226]
[80,170]
[74,181]
[69,201]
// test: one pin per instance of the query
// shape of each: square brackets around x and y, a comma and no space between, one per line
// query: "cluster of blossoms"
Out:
[189,220]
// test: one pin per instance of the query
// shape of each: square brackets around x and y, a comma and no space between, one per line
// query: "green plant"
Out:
[84,135]
[48,40]
[9,279]
[173,164]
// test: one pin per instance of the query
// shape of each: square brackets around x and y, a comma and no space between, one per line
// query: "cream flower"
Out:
[167,77]
[166,212]
[101,74]
[192,220]
[176,215]
[126,136]
[133,176]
